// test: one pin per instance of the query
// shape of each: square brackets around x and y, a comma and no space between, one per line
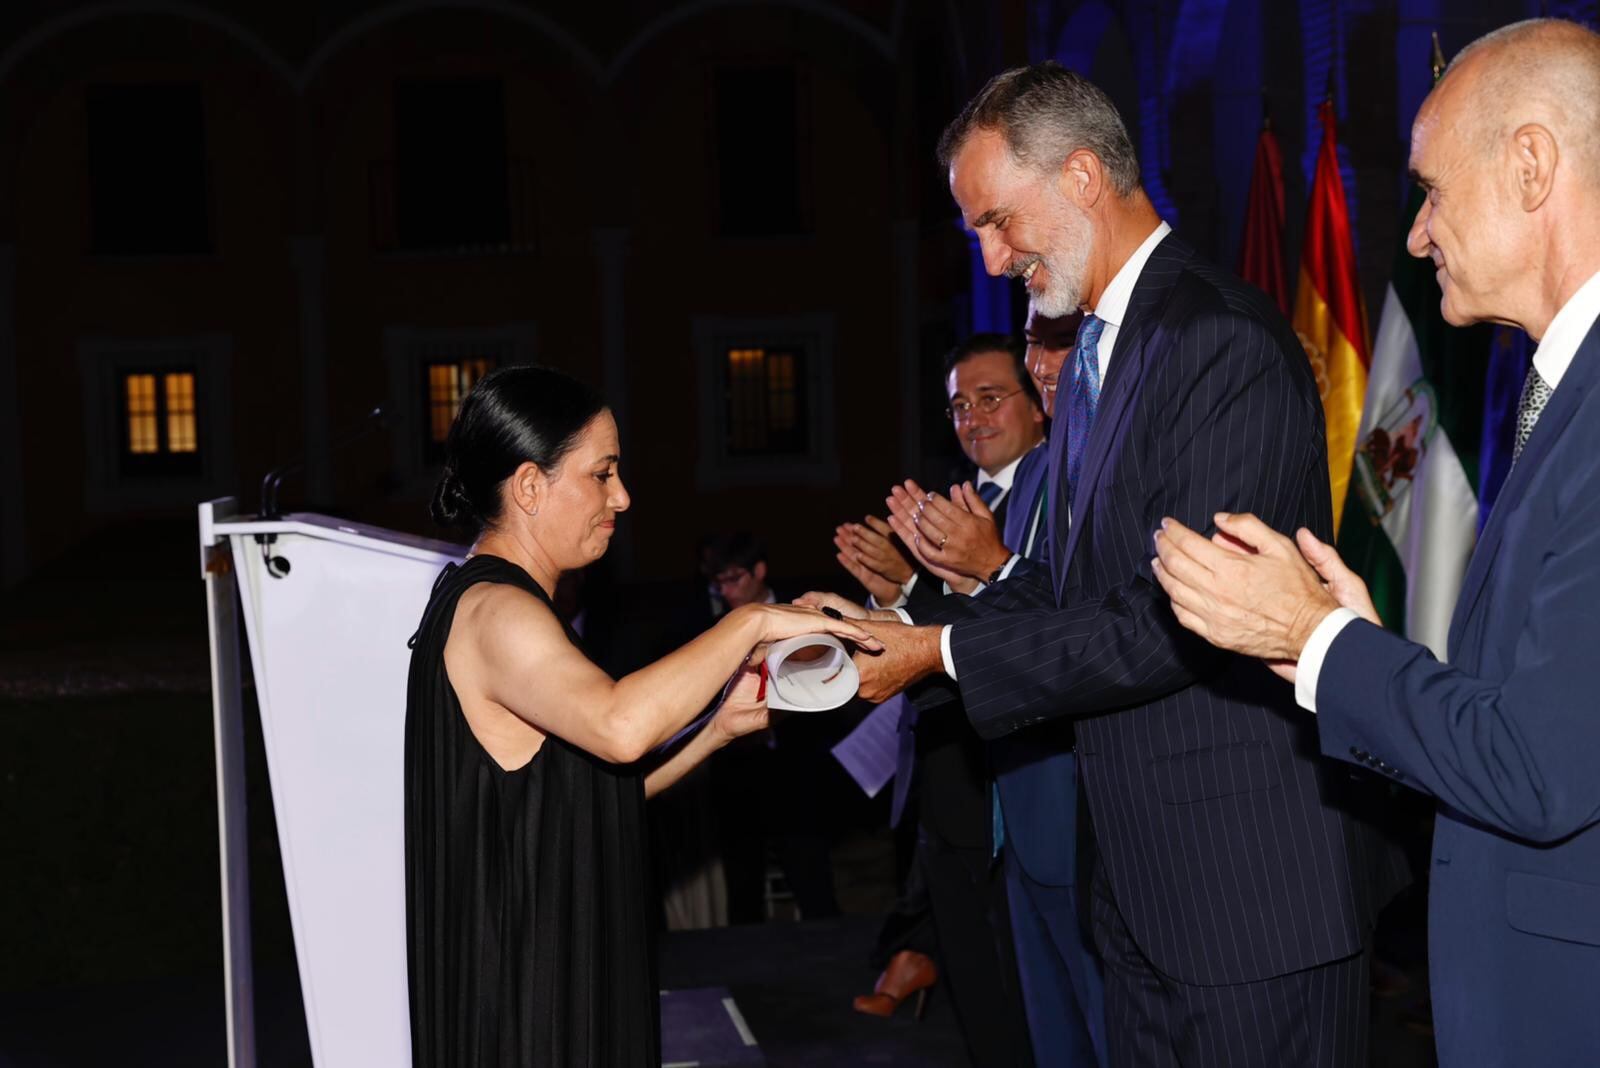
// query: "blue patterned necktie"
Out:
[1536,394]
[989,492]
[1083,397]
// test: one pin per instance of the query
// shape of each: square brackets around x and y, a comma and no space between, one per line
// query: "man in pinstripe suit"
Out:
[1235,889]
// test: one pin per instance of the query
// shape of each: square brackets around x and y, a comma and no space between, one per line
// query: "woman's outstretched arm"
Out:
[509,647]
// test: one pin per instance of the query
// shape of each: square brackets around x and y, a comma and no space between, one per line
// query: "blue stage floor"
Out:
[791,983]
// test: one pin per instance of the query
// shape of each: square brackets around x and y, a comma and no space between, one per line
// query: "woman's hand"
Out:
[780,621]
[846,607]
[742,711]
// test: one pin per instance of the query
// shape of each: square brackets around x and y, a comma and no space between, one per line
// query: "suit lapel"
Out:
[1129,359]
[1025,488]
[1564,404]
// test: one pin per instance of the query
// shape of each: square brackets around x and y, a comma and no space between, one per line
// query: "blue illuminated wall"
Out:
[1191,77]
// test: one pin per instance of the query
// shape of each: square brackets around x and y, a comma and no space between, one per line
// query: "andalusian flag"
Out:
[1412,516]
[1329,314]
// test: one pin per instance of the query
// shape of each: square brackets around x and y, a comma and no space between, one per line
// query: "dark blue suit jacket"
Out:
[1036,770]
[1508,739]
[1231,847]
[948,763]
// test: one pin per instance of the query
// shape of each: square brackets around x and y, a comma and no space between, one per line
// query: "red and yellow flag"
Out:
[1329,314]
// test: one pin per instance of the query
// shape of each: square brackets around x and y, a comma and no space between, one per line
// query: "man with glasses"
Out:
[996,415]
[1036,812]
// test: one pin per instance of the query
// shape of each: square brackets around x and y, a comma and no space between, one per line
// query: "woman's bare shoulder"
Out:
[490,606]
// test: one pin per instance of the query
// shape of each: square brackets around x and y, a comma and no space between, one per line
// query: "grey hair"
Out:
[1046,112]
[1544,63]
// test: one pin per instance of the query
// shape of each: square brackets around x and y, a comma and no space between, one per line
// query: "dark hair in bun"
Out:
[512,416]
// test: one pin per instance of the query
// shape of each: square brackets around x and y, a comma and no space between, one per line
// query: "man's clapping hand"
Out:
[956,537]
[867,551]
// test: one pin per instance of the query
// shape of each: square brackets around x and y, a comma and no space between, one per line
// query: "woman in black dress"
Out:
[527,894]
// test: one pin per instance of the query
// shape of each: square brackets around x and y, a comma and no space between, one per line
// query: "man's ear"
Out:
[1083,178]
[528,488]
[760,572]
[1535,155]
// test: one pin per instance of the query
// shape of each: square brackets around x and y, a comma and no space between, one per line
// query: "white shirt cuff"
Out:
[905,591]
[1005,572]
[901,598]
[1314,653]
[944,642]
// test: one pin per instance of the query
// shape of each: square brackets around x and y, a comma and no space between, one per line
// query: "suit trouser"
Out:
[978,964]
[1061,985]
[1314,1017]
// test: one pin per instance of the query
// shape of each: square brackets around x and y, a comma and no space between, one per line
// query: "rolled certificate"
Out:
[810,673]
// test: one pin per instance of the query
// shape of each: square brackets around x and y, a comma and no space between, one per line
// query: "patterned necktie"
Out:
[1083,396]
[989,492]
[1535,395]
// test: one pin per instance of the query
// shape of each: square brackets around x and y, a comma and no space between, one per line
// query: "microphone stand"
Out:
[277,566]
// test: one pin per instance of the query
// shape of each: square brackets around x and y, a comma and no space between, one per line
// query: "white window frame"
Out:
[813,334]
[102,362]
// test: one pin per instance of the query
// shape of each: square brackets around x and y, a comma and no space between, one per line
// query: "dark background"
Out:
[229,230]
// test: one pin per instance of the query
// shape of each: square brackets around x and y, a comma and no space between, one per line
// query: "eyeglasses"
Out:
[730,577]
[986,403]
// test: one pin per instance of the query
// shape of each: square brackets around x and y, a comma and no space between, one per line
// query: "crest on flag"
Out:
[1386,463]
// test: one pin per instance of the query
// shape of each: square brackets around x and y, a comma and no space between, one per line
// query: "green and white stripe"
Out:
[1410,520]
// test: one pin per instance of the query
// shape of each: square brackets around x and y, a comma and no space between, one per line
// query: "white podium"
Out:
[327,644]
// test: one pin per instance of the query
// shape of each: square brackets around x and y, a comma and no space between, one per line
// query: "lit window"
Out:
[160,422]
[181,435]
[766,402]
[144,435]
[446,386]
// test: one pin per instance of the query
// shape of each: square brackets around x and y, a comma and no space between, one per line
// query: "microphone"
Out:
[273,479]
[278,566]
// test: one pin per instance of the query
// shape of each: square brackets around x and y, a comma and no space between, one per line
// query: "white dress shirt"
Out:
[1554,355]
[1112,309]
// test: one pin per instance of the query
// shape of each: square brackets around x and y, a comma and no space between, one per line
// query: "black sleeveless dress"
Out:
[526,891]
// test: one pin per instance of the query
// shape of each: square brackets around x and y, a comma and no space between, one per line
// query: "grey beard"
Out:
[1061,297]
[1069,256]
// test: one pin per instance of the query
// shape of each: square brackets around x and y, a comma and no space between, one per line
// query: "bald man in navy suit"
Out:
[1506,735]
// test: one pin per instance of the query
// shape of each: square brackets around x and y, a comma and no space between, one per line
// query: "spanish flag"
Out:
[1329,314]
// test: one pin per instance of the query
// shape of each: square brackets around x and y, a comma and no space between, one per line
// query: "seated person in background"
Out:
[781,787]
[527,904]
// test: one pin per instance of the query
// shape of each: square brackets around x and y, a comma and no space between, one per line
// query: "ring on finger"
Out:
[942,541]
